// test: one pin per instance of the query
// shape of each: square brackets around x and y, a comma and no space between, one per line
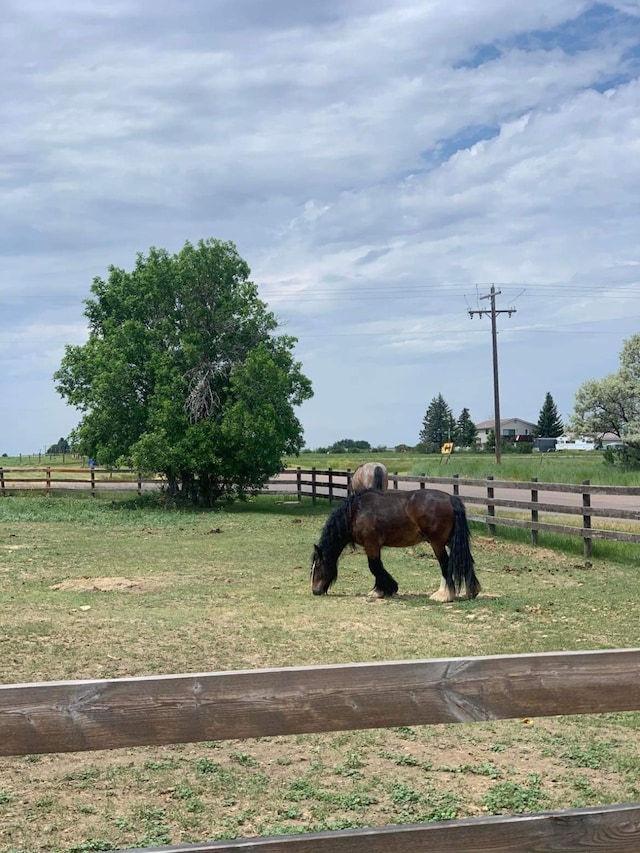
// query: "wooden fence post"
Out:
[299,483]
[313,486]
[330,478]
[47,475]
[491,510]
[534,512]
[93,482]
[2,491]
[395,482]
[586,523]
[456,486]
[139,483]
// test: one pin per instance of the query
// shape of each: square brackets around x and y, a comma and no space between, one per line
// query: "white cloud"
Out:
[372,160]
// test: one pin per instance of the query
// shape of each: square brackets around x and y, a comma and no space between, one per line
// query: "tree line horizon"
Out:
[440,427]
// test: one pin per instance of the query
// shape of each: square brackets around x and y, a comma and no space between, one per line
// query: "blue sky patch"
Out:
[595,25]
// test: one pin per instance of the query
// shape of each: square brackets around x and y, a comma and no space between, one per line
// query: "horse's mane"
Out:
[336,533]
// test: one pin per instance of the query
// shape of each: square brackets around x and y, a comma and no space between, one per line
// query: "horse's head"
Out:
[323,572]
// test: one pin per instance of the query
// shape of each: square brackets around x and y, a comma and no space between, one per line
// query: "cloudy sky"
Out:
[379,165]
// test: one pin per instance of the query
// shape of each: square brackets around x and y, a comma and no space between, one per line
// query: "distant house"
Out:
[610,439]
[510,429]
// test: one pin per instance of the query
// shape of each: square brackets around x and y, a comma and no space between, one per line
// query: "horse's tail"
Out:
[461,565]
[378,478]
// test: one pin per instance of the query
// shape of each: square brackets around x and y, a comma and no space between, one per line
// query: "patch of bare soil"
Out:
[196,791]
[113,584]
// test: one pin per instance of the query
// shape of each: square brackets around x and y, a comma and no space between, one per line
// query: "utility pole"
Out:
[492,312]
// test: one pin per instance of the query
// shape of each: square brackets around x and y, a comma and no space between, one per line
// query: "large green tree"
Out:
[183,373]
[438,425]
[612,404]
[549,423]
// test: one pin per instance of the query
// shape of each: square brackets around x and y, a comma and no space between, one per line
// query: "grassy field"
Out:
[102,588]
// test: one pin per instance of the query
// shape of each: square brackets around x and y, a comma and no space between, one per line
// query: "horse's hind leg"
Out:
[385,585]
[447,591]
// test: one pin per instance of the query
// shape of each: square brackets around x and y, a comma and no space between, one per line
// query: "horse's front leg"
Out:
[447,591]
[385,586]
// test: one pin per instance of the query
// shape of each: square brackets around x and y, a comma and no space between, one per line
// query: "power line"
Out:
[381,335]
[445,291]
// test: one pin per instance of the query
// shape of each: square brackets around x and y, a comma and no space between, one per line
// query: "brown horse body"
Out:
[369,475]
[397,519]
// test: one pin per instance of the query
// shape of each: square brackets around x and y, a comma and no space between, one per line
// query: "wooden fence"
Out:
[50,480]
[492,502]
[75,716]
[523,499]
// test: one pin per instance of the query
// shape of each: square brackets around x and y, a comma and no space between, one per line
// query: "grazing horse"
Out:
[369,475]
[397,519]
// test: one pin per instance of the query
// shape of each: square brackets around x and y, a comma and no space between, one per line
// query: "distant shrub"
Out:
[626,457]
[524,447]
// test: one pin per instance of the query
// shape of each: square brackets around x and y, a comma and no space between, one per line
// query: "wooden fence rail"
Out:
[108,714]
[50,480]
[526,511]
[481,493]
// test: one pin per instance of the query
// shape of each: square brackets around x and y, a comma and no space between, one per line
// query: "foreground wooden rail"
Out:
[107,714]
[614,829]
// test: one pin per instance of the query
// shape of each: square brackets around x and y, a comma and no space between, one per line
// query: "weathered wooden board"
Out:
[613,829]
[105,714]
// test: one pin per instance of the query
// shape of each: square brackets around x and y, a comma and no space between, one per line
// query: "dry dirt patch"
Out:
[109,584]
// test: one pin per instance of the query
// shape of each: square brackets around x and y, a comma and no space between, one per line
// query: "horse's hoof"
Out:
[441,596]
[376,593]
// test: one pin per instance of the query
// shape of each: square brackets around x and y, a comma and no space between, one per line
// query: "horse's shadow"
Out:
[408,599]
[412,598]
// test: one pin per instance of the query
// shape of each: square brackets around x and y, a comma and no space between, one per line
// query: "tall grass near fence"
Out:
[559,467]
[546,467]
[602,549]
[110,587]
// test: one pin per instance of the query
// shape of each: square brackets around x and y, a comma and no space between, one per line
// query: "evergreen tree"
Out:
[438,425]
[466,431]
[549,423]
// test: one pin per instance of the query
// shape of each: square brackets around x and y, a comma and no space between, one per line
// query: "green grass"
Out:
[513,797]
[559,467]
[101,588]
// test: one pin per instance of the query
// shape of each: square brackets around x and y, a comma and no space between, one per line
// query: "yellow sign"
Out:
[447,448]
